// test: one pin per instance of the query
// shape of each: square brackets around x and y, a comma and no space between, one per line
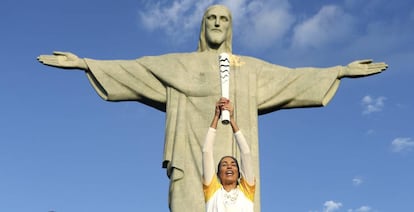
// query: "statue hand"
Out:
[65,60]
[361,68]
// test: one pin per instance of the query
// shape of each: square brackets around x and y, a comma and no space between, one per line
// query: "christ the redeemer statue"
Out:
[186,85]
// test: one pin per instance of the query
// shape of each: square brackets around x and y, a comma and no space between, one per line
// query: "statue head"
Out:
[228,170]
[216,30]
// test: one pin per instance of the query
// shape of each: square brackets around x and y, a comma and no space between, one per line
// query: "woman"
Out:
[232,188]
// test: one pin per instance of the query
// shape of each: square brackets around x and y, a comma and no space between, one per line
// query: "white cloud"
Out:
[361,209]
[178,18]
[272,24]
[331,206]
[370,132]
[402,144]
[256,23]
[357,181]
[259,24]
[330,24]
[372,104]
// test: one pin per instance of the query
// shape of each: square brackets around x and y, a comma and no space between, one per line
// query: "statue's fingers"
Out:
[59,53]
[381,66]
[42,58]
[48,59]
[366,61]
[64,54]
[384,65]
[375,70]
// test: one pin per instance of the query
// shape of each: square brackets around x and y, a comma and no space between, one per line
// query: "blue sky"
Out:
[62,148]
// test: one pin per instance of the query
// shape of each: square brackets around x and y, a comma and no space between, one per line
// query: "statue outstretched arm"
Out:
[361,68]
[64,60]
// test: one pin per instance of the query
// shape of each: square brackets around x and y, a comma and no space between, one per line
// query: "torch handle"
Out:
[224,62]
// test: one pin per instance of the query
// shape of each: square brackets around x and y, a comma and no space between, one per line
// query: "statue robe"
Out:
[187,85]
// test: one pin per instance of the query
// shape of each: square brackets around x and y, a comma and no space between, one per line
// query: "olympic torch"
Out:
[224,62]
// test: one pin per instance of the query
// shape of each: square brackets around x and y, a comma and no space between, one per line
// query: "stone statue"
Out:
[186,85]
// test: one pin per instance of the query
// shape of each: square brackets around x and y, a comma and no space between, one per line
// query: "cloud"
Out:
[256,23]
[370,132]
[274,25]
[372,104]
[260,24]
[357,181]
[178,19]
[361,209]
[331,206]
[402,144]
[331,24]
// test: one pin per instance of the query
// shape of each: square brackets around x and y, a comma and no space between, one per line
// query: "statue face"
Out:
[217,25]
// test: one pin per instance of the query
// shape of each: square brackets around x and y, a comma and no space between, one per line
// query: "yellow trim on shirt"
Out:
[209,190]
[248,190]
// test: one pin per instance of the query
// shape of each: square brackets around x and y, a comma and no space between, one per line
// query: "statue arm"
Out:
[361,68]
[64,60]
[114,80]
[280,87]
[126,80]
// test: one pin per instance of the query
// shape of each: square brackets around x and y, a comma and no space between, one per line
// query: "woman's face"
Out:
[228,171]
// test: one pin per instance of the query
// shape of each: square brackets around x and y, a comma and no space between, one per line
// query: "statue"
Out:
[186,85]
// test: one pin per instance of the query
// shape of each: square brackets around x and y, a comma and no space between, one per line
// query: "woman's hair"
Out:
[202,42]
[235,160]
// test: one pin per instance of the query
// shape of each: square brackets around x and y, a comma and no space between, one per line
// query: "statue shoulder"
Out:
[168,55]
[249,59]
